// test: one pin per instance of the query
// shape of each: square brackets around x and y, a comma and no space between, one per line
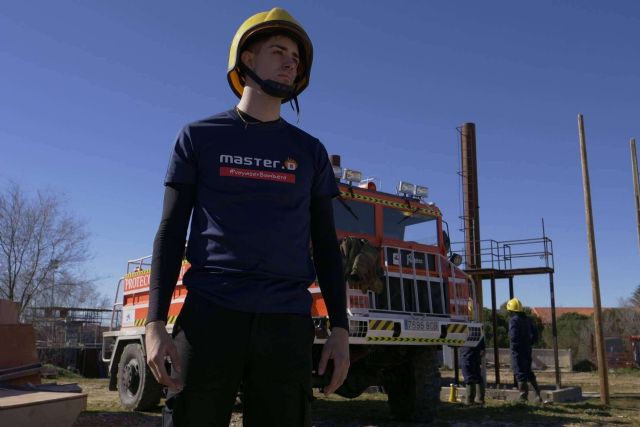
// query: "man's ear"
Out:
[247,58]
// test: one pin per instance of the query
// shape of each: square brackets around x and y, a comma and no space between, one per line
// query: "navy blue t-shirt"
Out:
[250,228]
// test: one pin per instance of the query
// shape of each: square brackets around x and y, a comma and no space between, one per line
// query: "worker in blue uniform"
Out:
[522,336]
[471,358]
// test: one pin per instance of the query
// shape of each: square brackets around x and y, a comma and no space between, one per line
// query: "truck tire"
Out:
[138,389]
[413,388]
[358,380]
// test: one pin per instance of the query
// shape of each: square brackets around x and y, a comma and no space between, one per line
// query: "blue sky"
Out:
[93,93]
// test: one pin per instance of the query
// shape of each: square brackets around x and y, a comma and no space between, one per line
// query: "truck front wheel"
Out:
[138,389]
[359,378]
[413,387]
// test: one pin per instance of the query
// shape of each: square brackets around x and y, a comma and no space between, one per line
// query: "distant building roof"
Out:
[544,313]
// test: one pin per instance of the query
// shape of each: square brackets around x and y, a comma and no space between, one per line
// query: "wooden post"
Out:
[595,282]
[636,185]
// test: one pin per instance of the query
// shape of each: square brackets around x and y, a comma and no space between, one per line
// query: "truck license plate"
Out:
[421,325]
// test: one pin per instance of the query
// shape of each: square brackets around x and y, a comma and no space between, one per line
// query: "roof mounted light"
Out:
[368,183]
[406,188]
[421,191]
[352,176]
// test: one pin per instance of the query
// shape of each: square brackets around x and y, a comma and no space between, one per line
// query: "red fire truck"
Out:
[425,302]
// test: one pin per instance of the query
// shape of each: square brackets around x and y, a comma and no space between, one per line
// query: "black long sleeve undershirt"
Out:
[168,251]
[168,248]
[328,261]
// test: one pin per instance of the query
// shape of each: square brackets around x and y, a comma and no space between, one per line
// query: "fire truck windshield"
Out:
[353,216]
[407,226]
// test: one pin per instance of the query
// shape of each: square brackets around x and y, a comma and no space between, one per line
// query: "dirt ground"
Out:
[371,409]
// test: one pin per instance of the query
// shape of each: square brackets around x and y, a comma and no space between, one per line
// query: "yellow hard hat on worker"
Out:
[515,305]
[277,21]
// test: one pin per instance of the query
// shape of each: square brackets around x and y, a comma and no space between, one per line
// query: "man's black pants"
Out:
[270,354]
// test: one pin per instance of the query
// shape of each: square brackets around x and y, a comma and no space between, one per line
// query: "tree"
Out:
[574,332]
[40,244]
[502,322]
[635,298]
[621,322]
[74,292]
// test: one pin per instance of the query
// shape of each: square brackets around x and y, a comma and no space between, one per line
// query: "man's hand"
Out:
[336,348]
[160,345]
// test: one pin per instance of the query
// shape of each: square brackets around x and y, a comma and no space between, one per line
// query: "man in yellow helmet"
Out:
[257,190]
[522,335]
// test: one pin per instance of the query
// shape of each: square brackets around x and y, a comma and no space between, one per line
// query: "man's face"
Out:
[276,59]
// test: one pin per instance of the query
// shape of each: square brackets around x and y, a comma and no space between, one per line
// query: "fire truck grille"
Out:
[475,333]
[358,328]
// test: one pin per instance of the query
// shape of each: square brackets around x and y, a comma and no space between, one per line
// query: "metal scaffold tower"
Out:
[491,259]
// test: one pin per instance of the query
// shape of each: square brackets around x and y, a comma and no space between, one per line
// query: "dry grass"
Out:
[621,381]
[371,409]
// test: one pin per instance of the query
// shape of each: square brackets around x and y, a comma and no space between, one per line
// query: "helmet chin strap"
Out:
[273,88]
[297,106]
[270,87]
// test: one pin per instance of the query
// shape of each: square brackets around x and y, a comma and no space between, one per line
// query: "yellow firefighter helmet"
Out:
[515,305]
[275,20]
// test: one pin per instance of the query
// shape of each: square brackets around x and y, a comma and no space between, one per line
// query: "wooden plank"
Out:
[8,312]
[18,346]
[10,398]
[34,409]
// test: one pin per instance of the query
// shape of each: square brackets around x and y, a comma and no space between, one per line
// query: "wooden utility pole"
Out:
[636,185]
[595,285]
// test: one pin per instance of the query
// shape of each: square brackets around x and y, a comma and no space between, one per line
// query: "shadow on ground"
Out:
[374,412]
[497,413]
[119,419]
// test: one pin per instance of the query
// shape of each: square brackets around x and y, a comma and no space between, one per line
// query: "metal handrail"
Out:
[115,304]
[501,255]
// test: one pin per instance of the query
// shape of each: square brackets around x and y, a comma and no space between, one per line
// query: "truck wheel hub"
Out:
[132,376]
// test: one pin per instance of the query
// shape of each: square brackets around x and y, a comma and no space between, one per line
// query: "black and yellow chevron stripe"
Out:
[422,340]
[456,328]
[381,325]
[421,209]
[170,320]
